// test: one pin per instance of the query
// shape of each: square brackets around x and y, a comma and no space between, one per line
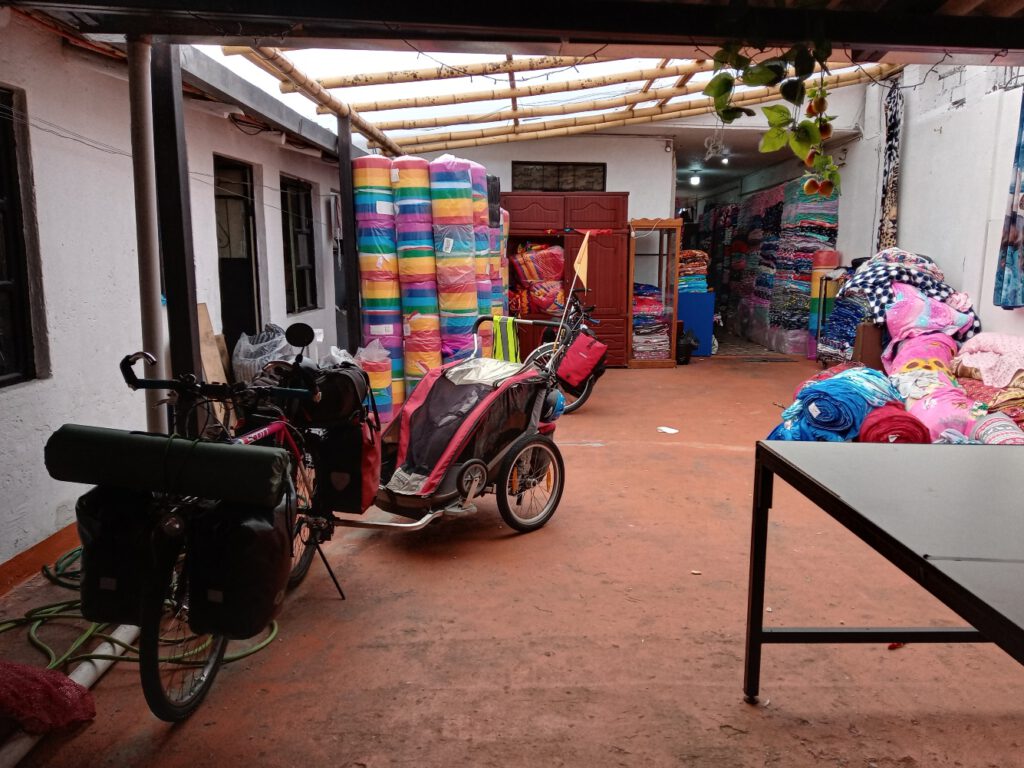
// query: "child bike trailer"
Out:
[473,427]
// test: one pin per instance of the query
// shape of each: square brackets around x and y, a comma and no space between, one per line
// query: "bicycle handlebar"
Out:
[189,384]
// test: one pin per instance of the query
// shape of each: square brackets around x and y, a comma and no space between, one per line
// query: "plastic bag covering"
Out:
[539,267]
[342,391]
[581,360]
[138,461]
[481,238]
[375,360]
[382,304]
[42,700]
[443,416]
[482,370]
[114,528]
[238,561]
[251,353]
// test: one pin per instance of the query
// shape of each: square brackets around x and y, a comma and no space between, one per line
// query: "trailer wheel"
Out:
[530,483]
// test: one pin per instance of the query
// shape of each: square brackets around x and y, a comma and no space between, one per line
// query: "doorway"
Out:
[236,249]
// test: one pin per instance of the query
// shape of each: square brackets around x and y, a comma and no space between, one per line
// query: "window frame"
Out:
[518,165]
[292,187]
[17,244]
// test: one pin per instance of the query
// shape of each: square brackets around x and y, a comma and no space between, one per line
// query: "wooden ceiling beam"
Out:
[317,93]
[647,86]
[532,90]
[448,72]
[693,107]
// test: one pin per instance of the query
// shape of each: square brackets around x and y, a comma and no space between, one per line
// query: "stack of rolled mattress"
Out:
[481,249]
[451,197]
[506,226]
[421,317]
[378,262]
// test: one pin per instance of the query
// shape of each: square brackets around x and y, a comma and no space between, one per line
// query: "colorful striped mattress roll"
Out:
[451,191]
[497,294]
[506,226]
[379,373]
[381,293]
[411,182]
[371,180]
[451,194]
[422,347]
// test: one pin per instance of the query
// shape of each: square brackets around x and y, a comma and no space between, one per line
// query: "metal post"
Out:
[174,213]
[346,274]
[146,233]
[763,481]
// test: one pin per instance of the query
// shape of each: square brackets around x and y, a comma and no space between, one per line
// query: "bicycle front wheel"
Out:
[176,666]
[305,536]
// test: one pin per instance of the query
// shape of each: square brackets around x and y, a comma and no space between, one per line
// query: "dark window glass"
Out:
[297,228]
[558,177]
[16,356]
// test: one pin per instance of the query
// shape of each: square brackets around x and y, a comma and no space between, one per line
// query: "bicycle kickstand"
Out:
[330,570]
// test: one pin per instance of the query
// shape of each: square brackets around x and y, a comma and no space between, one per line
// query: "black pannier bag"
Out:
[114,528]
[342,390]
[239,558]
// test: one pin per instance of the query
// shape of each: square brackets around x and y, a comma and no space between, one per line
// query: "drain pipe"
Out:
[147,235]
[85,674]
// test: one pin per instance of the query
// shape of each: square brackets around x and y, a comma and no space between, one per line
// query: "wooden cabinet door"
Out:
[530,211]
[596,211]
[607,271]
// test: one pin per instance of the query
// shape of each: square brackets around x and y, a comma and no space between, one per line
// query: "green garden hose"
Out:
[65,574]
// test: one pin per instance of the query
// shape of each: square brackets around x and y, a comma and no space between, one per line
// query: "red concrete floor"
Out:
[612,637]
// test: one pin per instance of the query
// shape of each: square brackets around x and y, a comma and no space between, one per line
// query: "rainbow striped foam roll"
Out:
[451,191]
[411,183]
[379,373]
[478,179]
[494,240]
[422,347]
[506,226]
[415,251]
[371,180]
[482,267]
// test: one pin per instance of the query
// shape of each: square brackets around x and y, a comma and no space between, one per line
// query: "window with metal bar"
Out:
[558,177]
[17,362]
[299,251]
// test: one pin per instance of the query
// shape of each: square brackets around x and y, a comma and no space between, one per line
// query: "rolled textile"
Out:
[996,358]
[506,226]
[379,286]
[371,180]
[892,424]
[422,347]
[481,238]
[451,196]
[497,294]
[379,373]
[997,429]
[834,409]
[410,179]
[914,314]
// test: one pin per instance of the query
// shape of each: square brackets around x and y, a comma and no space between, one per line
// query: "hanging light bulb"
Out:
[695,180]
[725,160]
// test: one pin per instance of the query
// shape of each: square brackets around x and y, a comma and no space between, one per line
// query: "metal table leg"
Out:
[763,481]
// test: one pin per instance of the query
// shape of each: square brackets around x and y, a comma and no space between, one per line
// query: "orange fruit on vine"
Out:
[825,188]
[811,186]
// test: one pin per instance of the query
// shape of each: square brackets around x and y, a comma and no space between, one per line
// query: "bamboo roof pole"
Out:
[670,114]
[647,86]
[512,86]
[533,90]
[317,93]
[664,94]
[680,83]
[448,72]
[415,142]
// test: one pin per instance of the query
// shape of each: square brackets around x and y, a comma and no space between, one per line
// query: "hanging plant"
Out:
[803,130]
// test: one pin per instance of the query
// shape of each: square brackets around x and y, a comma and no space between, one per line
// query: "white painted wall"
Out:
[86,228]
[636,164]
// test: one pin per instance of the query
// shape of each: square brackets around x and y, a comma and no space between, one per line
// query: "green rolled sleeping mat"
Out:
[139,461]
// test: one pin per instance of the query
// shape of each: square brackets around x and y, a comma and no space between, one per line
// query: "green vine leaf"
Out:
[803,63]
[719,85]
[803,137]
[762,74]
[774,139]
[793,90]
[731,113]
[777,115]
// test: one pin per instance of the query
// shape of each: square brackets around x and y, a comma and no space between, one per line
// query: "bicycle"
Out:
[178,665]
[576,320]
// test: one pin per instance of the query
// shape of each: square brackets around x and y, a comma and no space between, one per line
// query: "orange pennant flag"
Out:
[581,260]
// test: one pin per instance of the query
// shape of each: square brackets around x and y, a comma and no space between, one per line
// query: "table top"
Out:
[958,508]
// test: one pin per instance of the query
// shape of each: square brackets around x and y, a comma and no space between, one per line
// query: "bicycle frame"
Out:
[277,429]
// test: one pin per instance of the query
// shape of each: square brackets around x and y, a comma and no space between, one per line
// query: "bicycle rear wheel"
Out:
[176,666]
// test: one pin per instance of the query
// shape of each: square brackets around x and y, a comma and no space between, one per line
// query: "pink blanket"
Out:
[997,356]
[913,314]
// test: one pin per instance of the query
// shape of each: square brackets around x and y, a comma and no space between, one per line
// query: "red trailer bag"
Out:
[584,357]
